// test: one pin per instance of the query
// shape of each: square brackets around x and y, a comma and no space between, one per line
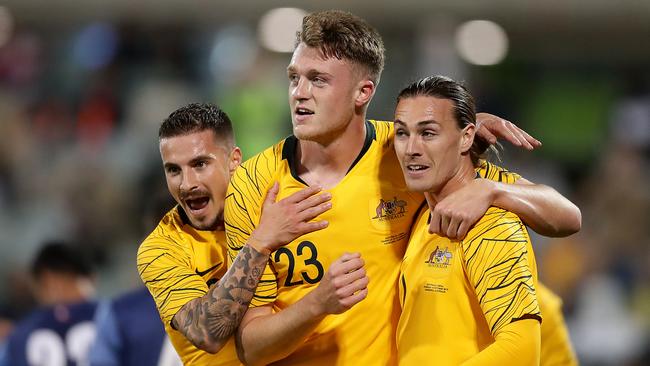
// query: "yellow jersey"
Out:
[496,173]
[455,295]
[372,212]
[178,263]
[556,344]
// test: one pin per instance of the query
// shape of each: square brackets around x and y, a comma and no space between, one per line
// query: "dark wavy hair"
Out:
[60,257]
[198,117]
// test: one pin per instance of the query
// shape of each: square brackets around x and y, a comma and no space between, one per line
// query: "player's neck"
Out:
[327,163]
[463,176]
[218,224]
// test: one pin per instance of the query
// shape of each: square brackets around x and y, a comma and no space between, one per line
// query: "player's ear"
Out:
[235,160]
[467,137]
[365,91]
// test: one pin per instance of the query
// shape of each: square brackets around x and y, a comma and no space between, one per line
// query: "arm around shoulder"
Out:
[540,207]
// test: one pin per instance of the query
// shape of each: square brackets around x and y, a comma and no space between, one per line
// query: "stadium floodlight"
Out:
[277,28]
[481,42]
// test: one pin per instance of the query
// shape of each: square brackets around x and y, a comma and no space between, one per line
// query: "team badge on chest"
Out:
[439,258]
[389,209]
[390,216]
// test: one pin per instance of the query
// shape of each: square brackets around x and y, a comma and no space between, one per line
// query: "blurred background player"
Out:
[183,261]
[6,327]
[130,333]
[61,331]
[129,330]
[556,344]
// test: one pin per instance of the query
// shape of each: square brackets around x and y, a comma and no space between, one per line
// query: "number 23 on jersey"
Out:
[302,266]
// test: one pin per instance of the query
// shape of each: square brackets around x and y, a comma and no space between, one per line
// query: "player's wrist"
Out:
[494,189]
[314,304]
[260,244]
[490,188]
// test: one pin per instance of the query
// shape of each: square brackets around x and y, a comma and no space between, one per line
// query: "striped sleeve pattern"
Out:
[496,173]
[167,271]
[499,267]
[246,193]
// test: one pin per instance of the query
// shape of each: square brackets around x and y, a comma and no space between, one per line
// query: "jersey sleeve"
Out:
[167,271]
[517,343]
[242,211]
[501,269]
[496,173]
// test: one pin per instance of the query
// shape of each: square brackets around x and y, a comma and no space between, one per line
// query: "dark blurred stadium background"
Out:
[85,84]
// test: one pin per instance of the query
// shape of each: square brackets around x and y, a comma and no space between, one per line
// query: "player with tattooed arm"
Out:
[183,261]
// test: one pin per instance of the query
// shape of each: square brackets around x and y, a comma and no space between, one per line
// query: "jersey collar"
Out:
[291,143]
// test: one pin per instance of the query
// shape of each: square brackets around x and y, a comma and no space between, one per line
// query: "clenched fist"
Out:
[344,285]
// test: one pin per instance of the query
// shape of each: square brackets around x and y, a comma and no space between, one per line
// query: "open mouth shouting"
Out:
[197,204]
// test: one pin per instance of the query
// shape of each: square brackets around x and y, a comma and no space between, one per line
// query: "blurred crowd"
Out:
[79,162]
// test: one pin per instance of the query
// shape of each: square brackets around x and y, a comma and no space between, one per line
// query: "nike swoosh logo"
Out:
[203,273]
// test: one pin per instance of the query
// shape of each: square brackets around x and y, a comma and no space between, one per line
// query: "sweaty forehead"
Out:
[424,108]
[303,50]
[185,147]
[305,57]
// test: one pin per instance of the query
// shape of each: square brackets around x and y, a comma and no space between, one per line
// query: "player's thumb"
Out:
[272,194]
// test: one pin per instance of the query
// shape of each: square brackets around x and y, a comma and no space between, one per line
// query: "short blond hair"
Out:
[345,36]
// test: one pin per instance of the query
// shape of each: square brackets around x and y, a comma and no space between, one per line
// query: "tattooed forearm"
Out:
[209,321]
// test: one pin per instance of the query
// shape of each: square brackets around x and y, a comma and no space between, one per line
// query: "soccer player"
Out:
[556,344]
[61,331]
[330,297]
[469,301]
[129,333]
[183,261]
[129,330]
